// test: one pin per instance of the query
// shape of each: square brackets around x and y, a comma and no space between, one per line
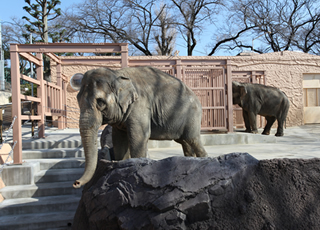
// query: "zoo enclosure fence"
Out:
[211,80]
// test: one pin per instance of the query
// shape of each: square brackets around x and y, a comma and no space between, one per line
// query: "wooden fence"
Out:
[211,80]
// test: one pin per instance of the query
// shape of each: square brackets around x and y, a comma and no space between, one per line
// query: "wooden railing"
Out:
[51,97]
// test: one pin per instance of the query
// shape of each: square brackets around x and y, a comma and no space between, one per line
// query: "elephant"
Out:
[266,101]
[140,103]
[106,151]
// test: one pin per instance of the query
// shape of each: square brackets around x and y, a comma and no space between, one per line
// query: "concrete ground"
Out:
[297,142]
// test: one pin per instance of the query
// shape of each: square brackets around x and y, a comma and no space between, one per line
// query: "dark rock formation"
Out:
[234,191]
[174,193]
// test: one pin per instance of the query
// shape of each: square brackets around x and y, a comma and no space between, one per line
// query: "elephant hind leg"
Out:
[187,150]
[270,121]
[282,118]
[193,147]
[279,132]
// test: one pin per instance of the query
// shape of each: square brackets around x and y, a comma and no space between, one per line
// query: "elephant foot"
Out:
[265,133]
[254,131]
[247,131]
[279,134]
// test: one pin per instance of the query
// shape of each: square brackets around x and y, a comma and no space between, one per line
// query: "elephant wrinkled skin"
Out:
[140,103]
[266,101]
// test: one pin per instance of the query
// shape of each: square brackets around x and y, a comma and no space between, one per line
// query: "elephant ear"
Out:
[243,92]
[126,92]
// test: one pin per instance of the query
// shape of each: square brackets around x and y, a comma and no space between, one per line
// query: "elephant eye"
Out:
[101,103]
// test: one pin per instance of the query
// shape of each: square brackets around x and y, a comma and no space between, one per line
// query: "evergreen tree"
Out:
[42,12]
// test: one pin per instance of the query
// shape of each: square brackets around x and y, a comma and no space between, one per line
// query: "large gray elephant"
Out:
[266,101]
[139,103]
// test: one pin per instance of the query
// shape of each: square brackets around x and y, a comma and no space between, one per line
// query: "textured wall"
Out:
[282,69]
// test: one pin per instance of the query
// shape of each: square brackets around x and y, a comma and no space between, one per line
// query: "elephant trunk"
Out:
[89,142]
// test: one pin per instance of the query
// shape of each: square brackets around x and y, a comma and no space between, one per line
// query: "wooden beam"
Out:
[71,47]
[53,57]
[31,58]
[29,79]
[30,117]
[30,98]
[96,62]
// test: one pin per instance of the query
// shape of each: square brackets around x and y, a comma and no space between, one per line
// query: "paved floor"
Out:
[298,142]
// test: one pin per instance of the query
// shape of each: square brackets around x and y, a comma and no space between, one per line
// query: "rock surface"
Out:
[234,191]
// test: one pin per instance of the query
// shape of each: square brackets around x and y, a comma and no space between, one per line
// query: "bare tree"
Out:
[166,34]
[130,21]
[284,25]
[193,14]
[14,32]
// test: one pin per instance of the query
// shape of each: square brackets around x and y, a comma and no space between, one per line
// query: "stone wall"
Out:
[283,70]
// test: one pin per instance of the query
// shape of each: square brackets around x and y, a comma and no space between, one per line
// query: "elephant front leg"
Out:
[246,121]
[120,145]
[138,134]
[253,122]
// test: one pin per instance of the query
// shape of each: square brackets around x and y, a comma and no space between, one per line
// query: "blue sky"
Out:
[14,8]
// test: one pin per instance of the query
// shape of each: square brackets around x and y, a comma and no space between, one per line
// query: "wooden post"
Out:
[59,99]
[16,103]
[178,68]
[32,121]
[41,95]
[124,55]
[229,97]
[1,125]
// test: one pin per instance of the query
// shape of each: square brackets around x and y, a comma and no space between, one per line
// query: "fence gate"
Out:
[209,84]
[311,98]
[247,77]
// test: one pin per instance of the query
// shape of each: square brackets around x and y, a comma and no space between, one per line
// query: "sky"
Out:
[14,8]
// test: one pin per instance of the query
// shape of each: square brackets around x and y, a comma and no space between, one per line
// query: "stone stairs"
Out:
[49,201]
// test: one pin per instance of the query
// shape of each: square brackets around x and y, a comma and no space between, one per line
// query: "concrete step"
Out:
[48,220]
[39,190]
[59,163]
[53,153]
[59,142]
[22,206]
[58,175]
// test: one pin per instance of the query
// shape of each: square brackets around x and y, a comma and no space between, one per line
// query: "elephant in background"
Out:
[266,101]
[140,103]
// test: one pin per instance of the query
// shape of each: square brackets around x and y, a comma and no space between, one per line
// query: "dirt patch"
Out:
[281,194]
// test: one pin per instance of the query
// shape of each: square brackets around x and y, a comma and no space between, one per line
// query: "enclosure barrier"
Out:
[210,79]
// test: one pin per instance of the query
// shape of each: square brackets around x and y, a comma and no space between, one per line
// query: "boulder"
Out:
[173,193]
[234,191]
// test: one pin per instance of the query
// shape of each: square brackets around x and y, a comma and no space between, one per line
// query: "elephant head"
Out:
[103,98]
[238,92]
